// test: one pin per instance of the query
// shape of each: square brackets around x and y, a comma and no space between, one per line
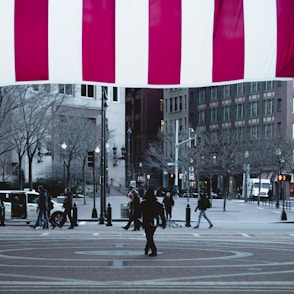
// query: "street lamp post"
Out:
[64,146]
[129,132]
[280,186]
[103,159]
[246,172]
[177,144]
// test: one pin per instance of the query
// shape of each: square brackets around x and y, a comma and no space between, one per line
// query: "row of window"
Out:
[86,90]
[239,111]
[227,91]
[176,104]
[266,131]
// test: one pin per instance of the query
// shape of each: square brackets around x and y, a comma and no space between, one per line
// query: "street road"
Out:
[95,258]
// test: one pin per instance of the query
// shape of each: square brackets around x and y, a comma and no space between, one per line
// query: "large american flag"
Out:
[146,43]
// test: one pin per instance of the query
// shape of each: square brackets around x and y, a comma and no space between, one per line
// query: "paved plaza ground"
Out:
[249,250]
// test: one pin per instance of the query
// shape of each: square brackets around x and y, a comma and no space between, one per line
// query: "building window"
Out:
[253,132]
[213,115]
[213,93]
[239,111]
[279,105]
[201,96]
[66,89]
[226,111]
[253,109]
[47,88]
[87,91]
[201,117]
[269,85]
[176,103]
[171,105]
[253,87]
[240,89]
[226,91]
[239,133]
[268,131]
[268,107]
[115,95]
[279,128]
[35,88]
[180,103]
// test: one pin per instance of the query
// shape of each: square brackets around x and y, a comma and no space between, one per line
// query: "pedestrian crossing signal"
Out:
[91,158]
[284,177]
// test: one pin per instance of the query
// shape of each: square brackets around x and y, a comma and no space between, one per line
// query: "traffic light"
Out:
[91,158]
[284,177]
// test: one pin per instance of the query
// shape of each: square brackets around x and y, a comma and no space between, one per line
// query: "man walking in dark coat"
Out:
[67,204]
[203,204]
[151,210]
[134,211]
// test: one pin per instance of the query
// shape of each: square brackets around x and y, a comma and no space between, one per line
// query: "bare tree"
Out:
[80,136]
[30,123]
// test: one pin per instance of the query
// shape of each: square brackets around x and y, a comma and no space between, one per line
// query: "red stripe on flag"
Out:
[228,41]
[98,44]
[31,40]
[285,38]
[164,42]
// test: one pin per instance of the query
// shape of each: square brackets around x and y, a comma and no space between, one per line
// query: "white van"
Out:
[22,206]
[259,187]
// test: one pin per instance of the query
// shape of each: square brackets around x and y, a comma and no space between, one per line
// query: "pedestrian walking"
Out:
[2,213]
[134,211]
[203,204]
[151,211]
[168,202]
[67,205]
[42,220]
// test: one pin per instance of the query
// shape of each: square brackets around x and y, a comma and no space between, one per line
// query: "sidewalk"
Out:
[236,211]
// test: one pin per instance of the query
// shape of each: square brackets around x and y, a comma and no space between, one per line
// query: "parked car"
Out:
[22,206]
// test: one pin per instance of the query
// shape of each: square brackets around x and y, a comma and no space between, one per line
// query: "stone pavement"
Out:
[236,212]
[249,250]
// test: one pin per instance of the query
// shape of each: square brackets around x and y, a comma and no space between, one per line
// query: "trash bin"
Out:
[124,210]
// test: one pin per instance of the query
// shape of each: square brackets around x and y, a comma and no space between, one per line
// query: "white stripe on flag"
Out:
[260,39]
[132,42]
[65,41]
[7,64]
[197,30]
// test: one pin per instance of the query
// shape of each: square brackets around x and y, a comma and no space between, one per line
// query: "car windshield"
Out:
[263,185]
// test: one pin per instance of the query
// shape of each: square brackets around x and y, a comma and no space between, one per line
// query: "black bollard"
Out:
[75,214]
[188,215]
[109,216]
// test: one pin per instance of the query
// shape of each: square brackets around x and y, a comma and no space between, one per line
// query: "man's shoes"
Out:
[153,254]
[137,229]
[211,225]
[71,227]
[196,227]
[125,228]
[53,227]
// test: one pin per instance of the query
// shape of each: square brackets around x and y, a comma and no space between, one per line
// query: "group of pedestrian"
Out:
[152,213]
[156,214]
[45,205]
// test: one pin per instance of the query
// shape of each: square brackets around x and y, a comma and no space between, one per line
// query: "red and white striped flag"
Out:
[146,43]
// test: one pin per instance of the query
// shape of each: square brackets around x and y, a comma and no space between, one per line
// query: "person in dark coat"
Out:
[42,220]
[2,213]
[134,211]
[67,205]
[168,202]
[151,210]
[203,204]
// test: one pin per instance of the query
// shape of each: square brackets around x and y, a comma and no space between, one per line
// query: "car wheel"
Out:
[57,218]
